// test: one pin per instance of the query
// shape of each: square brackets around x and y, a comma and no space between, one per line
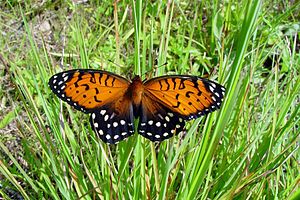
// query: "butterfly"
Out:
[162,104]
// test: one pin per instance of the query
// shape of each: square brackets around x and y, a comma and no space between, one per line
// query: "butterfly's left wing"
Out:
[113,122]
[88,89]
[100,93]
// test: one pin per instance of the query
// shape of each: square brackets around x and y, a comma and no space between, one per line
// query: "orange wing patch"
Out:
[188,96]
[88,89]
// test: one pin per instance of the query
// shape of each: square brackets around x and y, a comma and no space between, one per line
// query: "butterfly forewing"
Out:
[188,96]
[87,90]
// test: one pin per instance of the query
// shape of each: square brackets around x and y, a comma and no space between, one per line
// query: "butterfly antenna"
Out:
[154,68]
[118,65]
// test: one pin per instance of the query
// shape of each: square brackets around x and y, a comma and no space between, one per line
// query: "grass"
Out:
[249,149]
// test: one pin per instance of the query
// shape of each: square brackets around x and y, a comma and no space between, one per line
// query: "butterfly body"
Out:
[135,92]
[161,104]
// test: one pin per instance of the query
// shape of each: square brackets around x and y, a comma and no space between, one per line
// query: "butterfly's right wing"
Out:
[169,100]
[157,122]
[189,96]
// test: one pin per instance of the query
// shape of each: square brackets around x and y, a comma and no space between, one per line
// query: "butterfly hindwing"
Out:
[87,89]
[114,122]
[189,96]
[157,122]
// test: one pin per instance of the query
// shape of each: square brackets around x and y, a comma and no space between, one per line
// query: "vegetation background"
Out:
[247,150]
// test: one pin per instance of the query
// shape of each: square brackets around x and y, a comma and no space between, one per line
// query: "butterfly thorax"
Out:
[135,91]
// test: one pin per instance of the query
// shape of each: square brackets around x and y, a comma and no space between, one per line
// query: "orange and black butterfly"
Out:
[161,104]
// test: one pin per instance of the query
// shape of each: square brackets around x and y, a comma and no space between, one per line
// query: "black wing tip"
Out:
[57,83]
[217,90]
[217,96]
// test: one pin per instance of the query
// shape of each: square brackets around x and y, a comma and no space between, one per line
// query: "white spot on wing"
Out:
[167,118]
[93,115]
[122,122]
[107,136]
[115,124]
[116,137]
[106,117]
[158,124]
[102,112]
[96,125]
[150,122]
[171,114]
[101,132]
